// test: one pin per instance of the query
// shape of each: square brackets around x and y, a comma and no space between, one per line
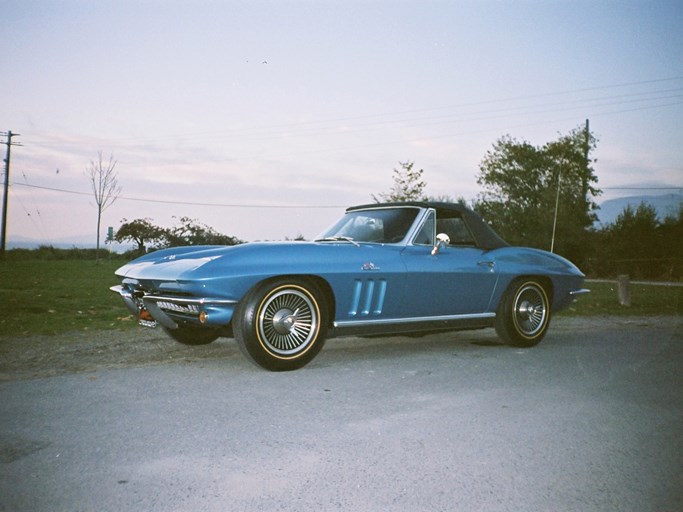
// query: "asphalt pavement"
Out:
[589,420]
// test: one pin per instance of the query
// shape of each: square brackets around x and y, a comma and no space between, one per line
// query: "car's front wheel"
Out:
[193,335]
[523,314]
[281,325]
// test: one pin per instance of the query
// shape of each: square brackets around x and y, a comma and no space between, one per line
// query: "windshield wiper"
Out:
[338,238]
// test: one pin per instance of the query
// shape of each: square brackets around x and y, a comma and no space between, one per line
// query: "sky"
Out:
[265,119]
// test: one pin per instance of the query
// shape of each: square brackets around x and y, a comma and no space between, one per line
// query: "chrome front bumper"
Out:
[163,308]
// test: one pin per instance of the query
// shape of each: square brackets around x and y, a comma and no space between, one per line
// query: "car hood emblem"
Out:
[369,266]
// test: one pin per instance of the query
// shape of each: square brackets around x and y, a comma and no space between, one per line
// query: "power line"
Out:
[642,188]
[270,206]
[187,203]
[34,213]
[379,120]
[458,106]
[449,135]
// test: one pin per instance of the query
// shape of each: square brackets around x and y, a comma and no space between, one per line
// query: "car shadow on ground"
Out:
[449,344]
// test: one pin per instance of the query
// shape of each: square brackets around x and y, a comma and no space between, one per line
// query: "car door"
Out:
[458,280]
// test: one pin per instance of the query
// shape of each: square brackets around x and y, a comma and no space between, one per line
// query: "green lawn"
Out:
[646,300]
[48,297]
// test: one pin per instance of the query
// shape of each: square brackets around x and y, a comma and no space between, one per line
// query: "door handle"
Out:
[489,264]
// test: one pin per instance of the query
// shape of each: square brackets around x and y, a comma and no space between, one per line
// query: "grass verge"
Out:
[57,296]
[646,300]
[51,297]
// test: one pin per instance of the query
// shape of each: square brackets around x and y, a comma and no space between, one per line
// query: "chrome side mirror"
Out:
[442,240]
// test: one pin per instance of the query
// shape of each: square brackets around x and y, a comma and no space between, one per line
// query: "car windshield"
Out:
[379,225]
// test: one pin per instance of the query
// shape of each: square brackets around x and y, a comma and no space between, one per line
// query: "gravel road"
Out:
[589,420]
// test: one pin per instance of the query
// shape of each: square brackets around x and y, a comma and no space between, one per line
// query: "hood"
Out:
[174,261]
[251,258]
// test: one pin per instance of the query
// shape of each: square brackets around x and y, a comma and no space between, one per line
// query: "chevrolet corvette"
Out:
[382,269]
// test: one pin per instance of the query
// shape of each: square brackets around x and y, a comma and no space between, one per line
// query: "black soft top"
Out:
[484,236]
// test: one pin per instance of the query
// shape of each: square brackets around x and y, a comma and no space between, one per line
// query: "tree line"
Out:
[638,244]
[545,197]
[535,196]
[186,232]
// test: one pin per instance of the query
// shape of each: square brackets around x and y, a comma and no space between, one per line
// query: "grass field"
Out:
[50,297]
[646,300]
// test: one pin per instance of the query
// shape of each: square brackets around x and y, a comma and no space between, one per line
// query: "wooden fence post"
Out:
[624,290]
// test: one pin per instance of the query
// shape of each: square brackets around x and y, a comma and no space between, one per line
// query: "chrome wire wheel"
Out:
[523,314]
[530,310]
[281,323]
[288,321]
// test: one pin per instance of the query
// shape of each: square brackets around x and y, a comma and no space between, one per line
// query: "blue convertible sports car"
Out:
[416,267]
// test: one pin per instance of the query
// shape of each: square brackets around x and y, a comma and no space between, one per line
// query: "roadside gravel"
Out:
[31,357]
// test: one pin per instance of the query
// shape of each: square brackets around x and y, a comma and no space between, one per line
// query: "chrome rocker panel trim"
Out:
[415,324]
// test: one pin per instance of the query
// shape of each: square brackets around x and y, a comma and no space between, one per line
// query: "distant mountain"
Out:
[59,243]
[666,205]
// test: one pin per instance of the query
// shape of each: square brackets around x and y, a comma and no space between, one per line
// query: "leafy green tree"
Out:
[142,232]
[408,185]
[634,242]
[641,221]
[637,243]
[445,198]
[672,242]
[191,232]
[187,232]
[520,192]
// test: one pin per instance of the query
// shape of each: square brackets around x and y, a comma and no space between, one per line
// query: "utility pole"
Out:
[3,235]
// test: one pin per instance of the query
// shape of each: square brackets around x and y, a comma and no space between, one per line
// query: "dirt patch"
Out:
[30,357]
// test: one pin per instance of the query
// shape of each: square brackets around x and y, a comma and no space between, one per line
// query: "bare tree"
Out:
[105,187]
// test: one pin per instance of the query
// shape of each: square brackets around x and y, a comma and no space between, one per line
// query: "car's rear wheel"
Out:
[281,325]
[188,335]
[523,314]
